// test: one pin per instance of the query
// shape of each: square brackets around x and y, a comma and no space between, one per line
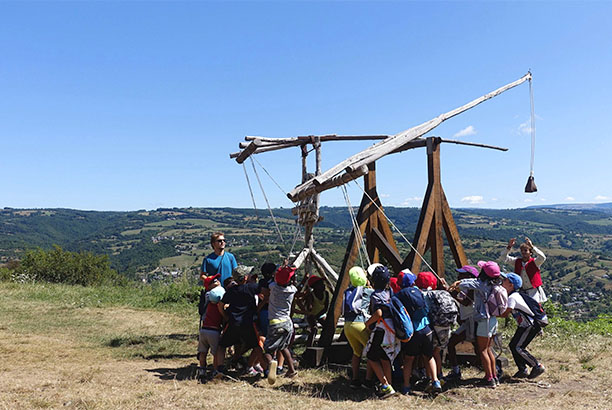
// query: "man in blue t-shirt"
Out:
[219,261]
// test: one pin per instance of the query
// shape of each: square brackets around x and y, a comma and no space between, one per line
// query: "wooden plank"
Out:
[331,274]
[248,151]
[422,233]
[437,245]
[326,137]
[297,262]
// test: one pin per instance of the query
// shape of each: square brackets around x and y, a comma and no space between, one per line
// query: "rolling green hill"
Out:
[165,243]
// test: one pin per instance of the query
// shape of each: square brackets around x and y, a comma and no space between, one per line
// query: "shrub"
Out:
[59,266]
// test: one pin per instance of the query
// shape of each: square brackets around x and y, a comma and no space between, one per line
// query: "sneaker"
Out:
[521,374]
[436,386]
[258,368]
[355,384]
[406,391]
[487,383]
[496,380]
[536,371]
[280,370]
[252,372]
[272,371]
[452,376]
[386,392]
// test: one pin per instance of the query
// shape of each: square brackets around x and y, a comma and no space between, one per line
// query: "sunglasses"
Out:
[221,240]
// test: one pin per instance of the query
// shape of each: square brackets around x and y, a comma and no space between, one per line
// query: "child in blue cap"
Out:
[527,329]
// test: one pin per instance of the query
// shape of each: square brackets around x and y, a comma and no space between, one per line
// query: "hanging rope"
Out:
[532,129]
[397,229]
[251,192]
[267,202]
[295,237]
[357,232]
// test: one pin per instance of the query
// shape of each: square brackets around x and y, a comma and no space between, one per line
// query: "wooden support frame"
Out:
[435,216]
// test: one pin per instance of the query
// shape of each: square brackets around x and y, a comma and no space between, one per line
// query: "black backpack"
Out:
[539,315]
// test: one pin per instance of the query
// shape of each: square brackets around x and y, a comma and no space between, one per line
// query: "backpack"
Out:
[414,302]
[497,301]
[353,299]
[539,315]
[443,309]
[202,303]
[401,319]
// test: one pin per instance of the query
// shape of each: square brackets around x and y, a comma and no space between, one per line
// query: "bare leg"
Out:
[483,346]
[407,370]
[355,360]
[378,371]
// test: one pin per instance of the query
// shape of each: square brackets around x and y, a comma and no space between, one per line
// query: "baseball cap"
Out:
[372,267]
[394,285]
[216,294]
[313,279]
[407,278]
[358,276]
[240,272]
[283,275]
[468,269]
[490,268]
[426,280]
[210,279]
[515,279]
[380,276]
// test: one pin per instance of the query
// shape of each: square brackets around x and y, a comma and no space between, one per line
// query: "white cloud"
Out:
[569,198]
[412,200]
[602,198]
[385,195]
[469,130]
[472,200]
[524,128]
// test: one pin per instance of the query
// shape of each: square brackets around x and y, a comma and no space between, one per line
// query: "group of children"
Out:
[247,314]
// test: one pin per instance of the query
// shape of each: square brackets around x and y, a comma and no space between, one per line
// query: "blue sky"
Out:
[125,106]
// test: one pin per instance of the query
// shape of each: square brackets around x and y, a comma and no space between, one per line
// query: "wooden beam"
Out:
[391,144]
[323,138]
[331,183]
[452,235]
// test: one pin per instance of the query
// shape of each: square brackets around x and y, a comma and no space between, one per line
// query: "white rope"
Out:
[267,202]
[397,229]
[357,232]
[295,237]
[273,180]
[251,192]
[532,129]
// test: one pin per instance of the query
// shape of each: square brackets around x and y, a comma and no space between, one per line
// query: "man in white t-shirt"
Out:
[526,330]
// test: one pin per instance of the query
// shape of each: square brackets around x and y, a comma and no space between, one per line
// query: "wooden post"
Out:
[435,216]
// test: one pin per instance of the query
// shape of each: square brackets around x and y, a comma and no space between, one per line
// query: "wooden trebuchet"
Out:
[394,142]
[331,183]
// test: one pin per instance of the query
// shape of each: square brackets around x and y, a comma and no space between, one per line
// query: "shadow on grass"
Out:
[180,373]
[172,346]
[137,340]
[338,389]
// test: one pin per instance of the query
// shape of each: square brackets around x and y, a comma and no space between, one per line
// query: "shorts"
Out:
[357,335]
[208,340]
[279,336]
[233,335]
[263,322]
[469,328]
[486,327]
[441,334]
[421,343]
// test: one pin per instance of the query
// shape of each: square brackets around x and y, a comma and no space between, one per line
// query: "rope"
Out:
[532,128]
[397,229]
[295,237]
[356,230]
[251,192]
[267,202]
[266,171]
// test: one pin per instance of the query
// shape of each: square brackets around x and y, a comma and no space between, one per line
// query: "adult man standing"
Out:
[219,261]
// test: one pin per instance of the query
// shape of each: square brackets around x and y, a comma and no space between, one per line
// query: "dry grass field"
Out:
[60,351]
